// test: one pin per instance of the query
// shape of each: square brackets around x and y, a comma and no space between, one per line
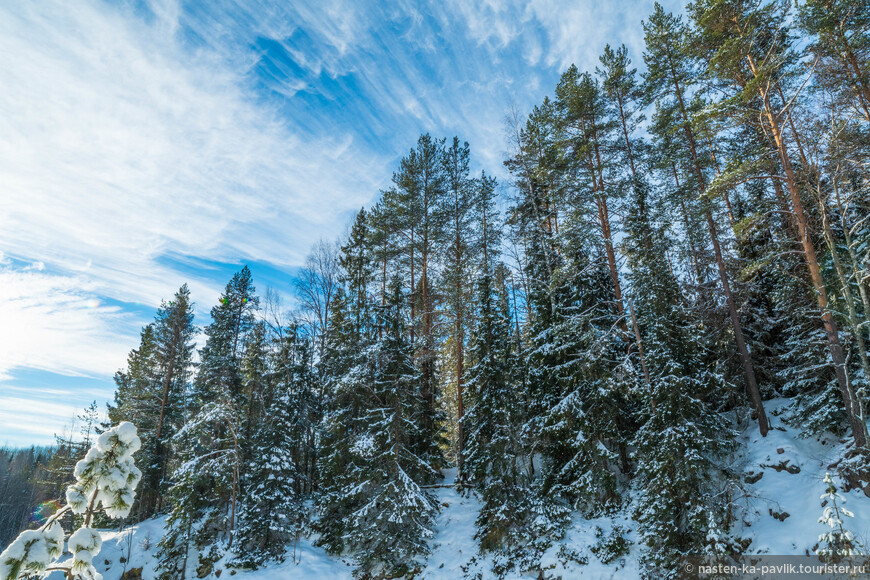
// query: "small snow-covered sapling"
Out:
[837,541]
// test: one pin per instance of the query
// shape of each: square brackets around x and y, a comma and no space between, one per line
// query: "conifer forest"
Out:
[675,268]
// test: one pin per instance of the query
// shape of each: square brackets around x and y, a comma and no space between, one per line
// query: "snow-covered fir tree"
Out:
[206,484]
[838,541]
[682,442]
[580,388]
[516,523]
[376,508]
[272,514]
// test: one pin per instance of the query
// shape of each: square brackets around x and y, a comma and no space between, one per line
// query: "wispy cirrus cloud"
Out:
[119,145]
[53,323]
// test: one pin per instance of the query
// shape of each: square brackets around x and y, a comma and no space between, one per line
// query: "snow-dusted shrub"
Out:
[107,476]
[611,546]
[105,479]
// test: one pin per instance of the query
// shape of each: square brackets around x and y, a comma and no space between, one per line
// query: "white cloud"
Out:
[117,146]
[575,30]
[55,323]
[35,422]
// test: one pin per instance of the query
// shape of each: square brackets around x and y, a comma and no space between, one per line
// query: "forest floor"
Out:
[779,512]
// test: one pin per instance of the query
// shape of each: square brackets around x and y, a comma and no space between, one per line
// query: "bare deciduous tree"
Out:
[316,286]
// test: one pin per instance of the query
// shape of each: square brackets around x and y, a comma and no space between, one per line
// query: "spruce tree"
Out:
[516,522]
[340,426]
[358,262]
[386,517]
[583,416]
[681,443]
[206,484]
[272,513]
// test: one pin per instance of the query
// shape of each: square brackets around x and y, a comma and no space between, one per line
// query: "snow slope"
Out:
[797,494]
[790,483]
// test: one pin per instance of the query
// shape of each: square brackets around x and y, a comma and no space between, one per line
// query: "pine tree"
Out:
[533,215]
[670,70]
[457,211]
[152,392]
[746,46]
[842,41]
[619,83]
[587,131]
[417,204]
[174,333]
[488,234]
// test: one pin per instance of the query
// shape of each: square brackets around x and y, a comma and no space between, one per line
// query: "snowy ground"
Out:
[781,490]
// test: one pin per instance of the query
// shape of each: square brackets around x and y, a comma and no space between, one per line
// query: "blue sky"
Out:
[145,144]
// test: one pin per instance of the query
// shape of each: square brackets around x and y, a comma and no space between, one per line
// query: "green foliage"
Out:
[152,392]
[612,546]
[373,504]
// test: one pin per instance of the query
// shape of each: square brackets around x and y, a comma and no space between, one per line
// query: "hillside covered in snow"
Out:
[779,511]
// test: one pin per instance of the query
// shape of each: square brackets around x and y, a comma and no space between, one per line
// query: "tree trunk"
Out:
[861,86]
[639,343]
[459,339]
[413,292]
[634,176]
[850,304]
[700,278]
[604,222]
[837,356]
[745,359]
